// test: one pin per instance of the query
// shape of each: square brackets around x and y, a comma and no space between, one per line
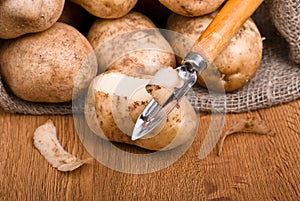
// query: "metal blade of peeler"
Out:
[149,119]
[154,114]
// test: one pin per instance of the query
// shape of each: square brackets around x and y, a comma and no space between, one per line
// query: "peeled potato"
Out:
[19,17]
[54,66]
[192,8]
[235,65]
[108,9]
[128,43]
[114,102]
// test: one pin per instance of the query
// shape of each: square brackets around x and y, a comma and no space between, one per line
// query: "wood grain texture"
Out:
[251,167]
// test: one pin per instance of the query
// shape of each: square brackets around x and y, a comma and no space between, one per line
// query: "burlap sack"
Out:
[286,17]
[277,81]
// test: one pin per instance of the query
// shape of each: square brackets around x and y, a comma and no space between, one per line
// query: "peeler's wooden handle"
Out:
[224,26]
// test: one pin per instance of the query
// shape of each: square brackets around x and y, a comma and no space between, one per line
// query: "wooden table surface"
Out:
[251,167]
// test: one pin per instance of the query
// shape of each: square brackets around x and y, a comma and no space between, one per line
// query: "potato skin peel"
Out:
[45,140]
[248,125]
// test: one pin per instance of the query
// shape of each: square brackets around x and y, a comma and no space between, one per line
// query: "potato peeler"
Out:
[224,26]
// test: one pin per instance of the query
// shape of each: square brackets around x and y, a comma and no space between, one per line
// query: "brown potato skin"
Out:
[192,8]
[43,67]
[118,44]
[107,9]
[19,17]
[235,65]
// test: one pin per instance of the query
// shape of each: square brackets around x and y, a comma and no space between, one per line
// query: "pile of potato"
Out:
[51,51]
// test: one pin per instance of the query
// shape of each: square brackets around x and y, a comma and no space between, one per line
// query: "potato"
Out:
[235,65]
[130,42]
[192,8]
[114,102]
[19,17]
[48,66]
[108,9]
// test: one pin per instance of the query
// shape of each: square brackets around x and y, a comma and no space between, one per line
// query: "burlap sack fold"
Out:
[277,80]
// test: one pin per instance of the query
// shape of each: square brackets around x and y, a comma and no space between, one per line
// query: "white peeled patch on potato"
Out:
[45,140]
[163,83]
[167,77]
[162,87]
[118,90]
